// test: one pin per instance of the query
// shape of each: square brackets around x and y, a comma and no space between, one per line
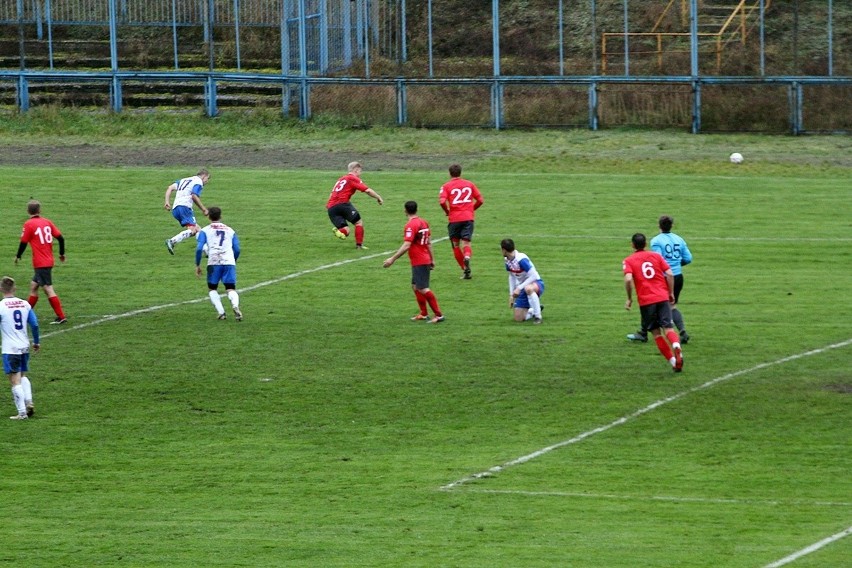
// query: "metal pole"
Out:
[626,43]
[593,106]
[303,57]
[595,36]
[429,18]
[23,93]
[113,53]
[285,38]
[323,42]
[346,8]
[762,12]
[23,58]
[561,41]
[47,15]
[495,35]
[401,103]
[696,107]
[211,16]
[367,38]
[693,37]
[174,32]
[403,31]
[830,38]
[237,31]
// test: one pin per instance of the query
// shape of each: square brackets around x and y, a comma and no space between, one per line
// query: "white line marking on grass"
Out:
[812,548]
[627,418]
[107,318]
[670,498]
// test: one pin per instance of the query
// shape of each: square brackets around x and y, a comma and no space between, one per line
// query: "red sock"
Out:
[459,256]
[673,337]
[421,301]
[433,303]
[359,234]
[664,348]
[344,230]
[32,301]
[57,306]
[467,251]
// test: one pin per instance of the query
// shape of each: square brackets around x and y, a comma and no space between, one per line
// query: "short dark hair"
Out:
[33,207]
[7,285]
[638,241]
[411,207]
[214,213]
[666,222]
[455,170]
[203,172]
[507,245]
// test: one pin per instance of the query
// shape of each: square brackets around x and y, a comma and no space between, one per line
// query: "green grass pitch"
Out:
[326,429]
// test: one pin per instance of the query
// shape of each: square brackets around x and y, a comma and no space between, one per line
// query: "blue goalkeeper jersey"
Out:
[673,248]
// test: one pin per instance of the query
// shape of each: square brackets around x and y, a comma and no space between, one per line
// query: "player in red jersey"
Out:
[340,209]
[459,198]
[417,243]
[40,232]
[650,274]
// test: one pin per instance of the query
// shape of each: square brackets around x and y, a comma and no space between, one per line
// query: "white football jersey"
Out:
[183,195]
[220,244]
[14,313]
[521,271]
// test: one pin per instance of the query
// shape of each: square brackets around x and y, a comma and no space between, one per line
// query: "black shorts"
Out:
[657,315]
[420,276]
[343,212]
[462,230]
[43,276]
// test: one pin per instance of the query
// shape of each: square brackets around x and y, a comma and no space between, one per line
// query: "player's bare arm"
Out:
[402,250]
[169,190]
[201,206]
[628,287]
[372,193]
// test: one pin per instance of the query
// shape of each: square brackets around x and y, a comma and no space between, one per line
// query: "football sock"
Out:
[28,389]
[32,301]
[677,317]
[664,348]
[433,302]
[234,298]
[181,236]
[18,397]
[535,305]
[467,252]
[344,230]
[674,338]
[359,234]
[216,301]
[459,256]
[57,306]
[421,301]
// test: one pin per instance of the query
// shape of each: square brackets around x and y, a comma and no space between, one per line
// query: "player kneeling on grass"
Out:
[525,285]
[223,250]
[651,276]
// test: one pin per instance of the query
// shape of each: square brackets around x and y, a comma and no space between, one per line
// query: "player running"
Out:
[187,192]
[340,209]
[459,198]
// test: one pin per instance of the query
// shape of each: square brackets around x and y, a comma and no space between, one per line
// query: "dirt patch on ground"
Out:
[238,156]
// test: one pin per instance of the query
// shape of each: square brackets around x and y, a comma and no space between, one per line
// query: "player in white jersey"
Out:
[15,315]
[187,191]
[525,284]
[223,250]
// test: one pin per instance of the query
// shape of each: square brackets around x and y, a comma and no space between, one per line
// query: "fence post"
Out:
[497,104]
[174,33]
[237,31]
[210,92]
[696,106]
[495,35]
[593,106]
[401,103]
[22,56]
[304,99]
[323,39]
[49,19]
[115,93]
[23,94]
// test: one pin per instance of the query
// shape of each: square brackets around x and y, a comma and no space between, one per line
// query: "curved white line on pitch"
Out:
[812,548]
[624,419]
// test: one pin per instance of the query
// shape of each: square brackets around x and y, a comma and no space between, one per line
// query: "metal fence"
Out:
[593,63]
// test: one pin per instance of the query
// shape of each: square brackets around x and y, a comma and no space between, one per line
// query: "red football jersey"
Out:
[648,269]
[461,197]
[39,232]
[417,233]
[344,189]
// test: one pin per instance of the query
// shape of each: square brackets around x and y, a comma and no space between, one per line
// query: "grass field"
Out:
[326,429]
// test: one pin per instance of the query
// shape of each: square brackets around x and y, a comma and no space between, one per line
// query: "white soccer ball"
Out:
[736,158]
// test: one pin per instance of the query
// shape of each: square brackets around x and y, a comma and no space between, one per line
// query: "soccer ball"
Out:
[736,158]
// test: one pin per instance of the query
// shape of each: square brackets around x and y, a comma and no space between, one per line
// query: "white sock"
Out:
[235,298]
[18,397]
[216,301]
[181,236]
[535,305]
[28,390]
[529,315]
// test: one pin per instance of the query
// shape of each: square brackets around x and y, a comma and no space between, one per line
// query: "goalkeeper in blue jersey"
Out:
[673,248]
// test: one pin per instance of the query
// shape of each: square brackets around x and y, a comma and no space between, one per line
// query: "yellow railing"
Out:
[735,27]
